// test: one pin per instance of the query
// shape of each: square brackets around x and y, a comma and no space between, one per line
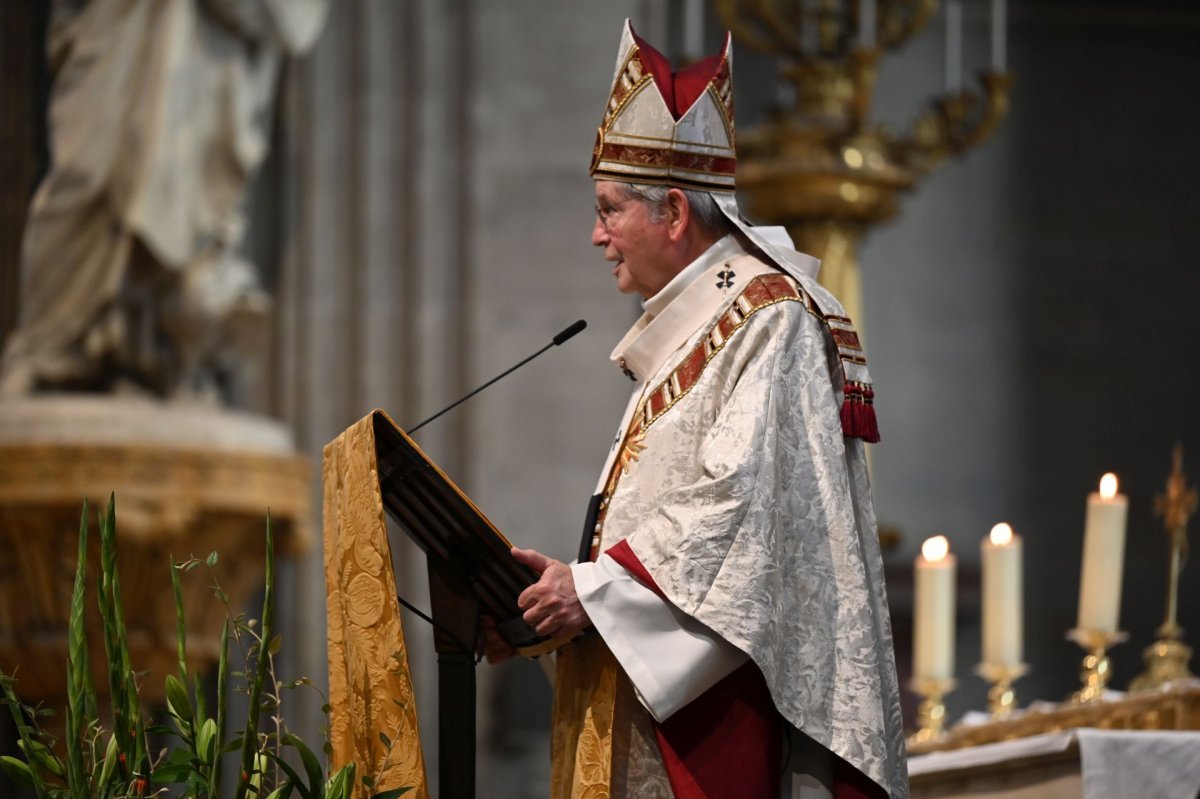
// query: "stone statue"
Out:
[160,114]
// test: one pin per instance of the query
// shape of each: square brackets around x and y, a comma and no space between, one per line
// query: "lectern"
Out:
[471,572]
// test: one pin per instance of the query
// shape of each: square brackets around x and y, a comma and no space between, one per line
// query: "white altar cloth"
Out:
[1115,764]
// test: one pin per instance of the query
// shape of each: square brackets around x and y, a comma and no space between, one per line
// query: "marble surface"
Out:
[95,419]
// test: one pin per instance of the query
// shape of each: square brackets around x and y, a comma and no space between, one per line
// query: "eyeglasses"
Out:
[606,213]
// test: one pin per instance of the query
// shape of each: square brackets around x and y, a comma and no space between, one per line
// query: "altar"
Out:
[1138,746]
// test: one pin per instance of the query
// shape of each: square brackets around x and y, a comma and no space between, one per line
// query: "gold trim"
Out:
[717,349]
[676,141]
[725,120]
[599,173]
[626,100]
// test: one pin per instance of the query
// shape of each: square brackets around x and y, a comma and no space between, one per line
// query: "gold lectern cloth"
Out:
[370,691]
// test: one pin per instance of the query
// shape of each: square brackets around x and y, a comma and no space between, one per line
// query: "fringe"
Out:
[858,413]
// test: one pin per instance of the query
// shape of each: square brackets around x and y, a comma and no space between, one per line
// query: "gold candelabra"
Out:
[821,168]
[1002,698]
[931,713]
[1096,670]
[1167,658]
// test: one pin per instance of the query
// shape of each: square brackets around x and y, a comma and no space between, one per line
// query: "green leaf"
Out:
[200,706]
[41,755]
[306,791]
[312,765]
[110,763]
[177,699]
[16,769]
[341,784]
[386,740]
[180,625]
[80,691]
[211,560]
[178,767]
[206,739]
[276,643]
[219,747]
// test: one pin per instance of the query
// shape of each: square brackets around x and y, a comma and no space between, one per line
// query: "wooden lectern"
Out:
[372,467]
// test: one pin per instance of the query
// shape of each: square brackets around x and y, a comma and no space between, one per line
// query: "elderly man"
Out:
[727,618]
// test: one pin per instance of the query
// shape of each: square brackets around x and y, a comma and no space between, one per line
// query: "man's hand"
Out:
[494,648]
[551,606]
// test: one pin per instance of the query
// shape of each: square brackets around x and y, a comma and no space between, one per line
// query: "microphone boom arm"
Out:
[559,339]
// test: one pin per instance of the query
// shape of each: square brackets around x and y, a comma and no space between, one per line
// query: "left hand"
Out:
[551,605]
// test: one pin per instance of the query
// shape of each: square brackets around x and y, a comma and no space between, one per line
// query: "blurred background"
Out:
[413,211]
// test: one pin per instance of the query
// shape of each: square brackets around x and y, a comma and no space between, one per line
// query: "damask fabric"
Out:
[752,513]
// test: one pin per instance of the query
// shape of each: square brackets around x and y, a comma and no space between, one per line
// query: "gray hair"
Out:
[703,207]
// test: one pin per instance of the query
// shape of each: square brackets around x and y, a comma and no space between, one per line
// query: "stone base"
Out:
[188,480]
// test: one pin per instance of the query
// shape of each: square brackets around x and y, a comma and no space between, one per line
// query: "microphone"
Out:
[556,341]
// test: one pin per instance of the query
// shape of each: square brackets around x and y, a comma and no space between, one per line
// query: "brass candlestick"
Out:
[1167,658]
[1096,669]
[1002,699]
[931,713]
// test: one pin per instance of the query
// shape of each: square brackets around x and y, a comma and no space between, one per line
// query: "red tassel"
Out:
[858,413]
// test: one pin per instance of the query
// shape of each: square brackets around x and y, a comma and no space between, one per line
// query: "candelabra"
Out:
[931,713]
[1167,658]
[821,168]
[1002,697]
[1096,670]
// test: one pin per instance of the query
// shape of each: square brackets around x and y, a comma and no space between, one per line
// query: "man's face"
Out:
[638,246]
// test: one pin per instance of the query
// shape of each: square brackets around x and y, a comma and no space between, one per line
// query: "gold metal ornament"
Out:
[1167,658]
[931,713]
[821,168]
[1096,670]
[1002,698]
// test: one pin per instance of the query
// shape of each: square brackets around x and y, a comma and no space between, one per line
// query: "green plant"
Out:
[116,763]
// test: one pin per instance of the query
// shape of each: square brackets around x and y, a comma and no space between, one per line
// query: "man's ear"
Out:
[679,214]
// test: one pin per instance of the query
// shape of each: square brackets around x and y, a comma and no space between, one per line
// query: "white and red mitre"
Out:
[667,127]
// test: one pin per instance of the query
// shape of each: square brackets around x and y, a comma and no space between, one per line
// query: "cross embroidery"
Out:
[725,278]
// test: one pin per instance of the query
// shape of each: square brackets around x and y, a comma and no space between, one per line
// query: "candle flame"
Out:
[1108,486]
[1001,535]
[935,548]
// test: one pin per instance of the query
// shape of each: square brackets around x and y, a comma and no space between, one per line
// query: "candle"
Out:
[954,46]
[866,24]
[1003,632]
[999,35]
[933,644]
[1103,558]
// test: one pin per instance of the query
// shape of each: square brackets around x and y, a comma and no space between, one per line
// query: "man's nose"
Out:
[599,234]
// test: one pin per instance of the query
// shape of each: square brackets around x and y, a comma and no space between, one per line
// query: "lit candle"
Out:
[933,644]
[1003,632]
[866,24]
[954,46]
[999,35]
[1103,558]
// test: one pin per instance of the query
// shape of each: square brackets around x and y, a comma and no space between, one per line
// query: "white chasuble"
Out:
[739,494]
